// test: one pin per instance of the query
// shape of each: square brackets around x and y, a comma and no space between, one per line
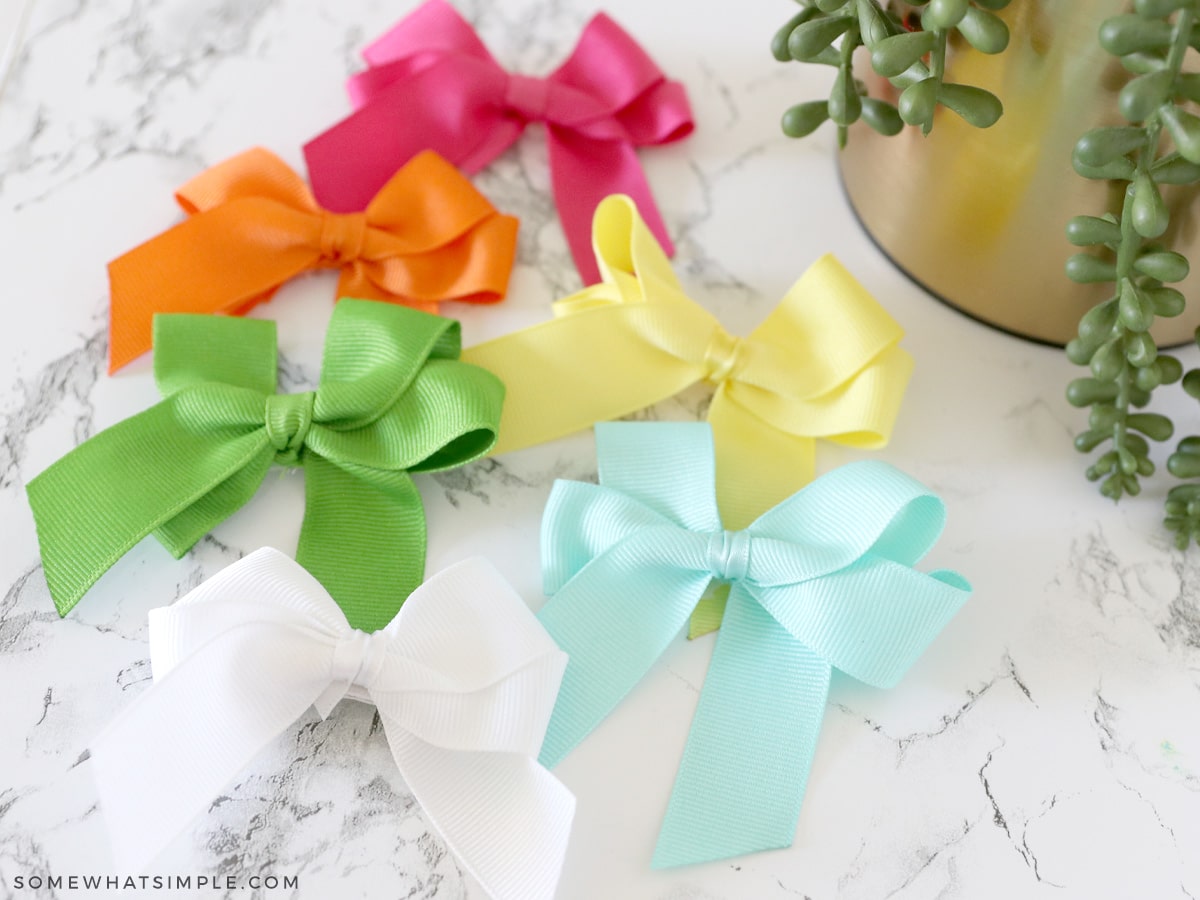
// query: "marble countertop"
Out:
[1047,744]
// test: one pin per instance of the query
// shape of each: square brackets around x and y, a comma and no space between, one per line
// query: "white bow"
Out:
[464,678]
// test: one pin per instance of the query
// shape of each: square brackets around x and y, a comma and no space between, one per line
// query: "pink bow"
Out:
[433,85]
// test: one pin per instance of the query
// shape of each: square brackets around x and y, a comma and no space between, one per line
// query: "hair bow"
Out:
[463,677]
[824,580]
[432,83]
[393,399]
[824,364]
[427,235]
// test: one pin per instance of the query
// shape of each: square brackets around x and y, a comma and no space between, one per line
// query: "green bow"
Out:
[393,399]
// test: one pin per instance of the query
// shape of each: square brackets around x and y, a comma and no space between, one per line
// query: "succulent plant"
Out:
[1160,146]
[912,58]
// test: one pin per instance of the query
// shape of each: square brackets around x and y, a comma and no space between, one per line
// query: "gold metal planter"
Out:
[977,216]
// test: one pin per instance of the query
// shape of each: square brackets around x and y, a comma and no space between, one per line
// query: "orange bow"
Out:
[428,235]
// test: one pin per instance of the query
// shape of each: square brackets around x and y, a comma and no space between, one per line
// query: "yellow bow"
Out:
[824,364]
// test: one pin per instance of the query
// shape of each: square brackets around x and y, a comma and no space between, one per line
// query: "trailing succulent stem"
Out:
[914,61]
[1183,500]
[1113,338]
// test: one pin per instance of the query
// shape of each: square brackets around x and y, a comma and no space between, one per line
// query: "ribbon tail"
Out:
[611,637]
[764,697]
[93,505]
[583,172]
[165,759]
[222,260]
[757,466]
[355,513]
[504,816]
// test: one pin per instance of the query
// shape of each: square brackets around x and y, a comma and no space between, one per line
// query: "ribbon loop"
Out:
[425,236]
[824,365]
[527,96]
[430,83]
[342,237]
[288,418]
[252,648]
[722,356]
[393,399]
[729,555]
[823,580]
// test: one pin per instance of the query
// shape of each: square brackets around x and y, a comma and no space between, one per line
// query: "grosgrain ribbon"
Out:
[427,235]
[432,83]
[463,677]
[823,580]
[393,399]
[824,364]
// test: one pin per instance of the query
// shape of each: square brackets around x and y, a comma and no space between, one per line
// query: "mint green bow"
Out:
[393,399]
[823,580]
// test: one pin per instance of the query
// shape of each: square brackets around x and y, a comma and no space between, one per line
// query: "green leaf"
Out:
[1111,488]
[1096,325]
[872,23]
[1158,9]
[944,14]
[882,116]
[1142,96]
[985,32]
[1136,443]
[1187,84]
[1141,352]
[917,103]
[1149,212]
[1143,63]
[976,106]
[1120,169]
[1185,132]
[1107,362]
[1130,33]
[895,54]
[1136,312]
[1174,169]
[1165,265]
[1101,146]
[779,43]
[1090,440]
[1183,465]
[1169,368]
[1191,384]
[1102,417]
[803,119]
[1079,352]
[1085,231]
[1148,378]
[1086,391]
[845,104]
[1166,301]
[829,6]
[1084,268]
[810,38]
[1152,425]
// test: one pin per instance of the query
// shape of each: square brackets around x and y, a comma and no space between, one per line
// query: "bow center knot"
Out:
[729,555]
[288,418]
[358,659]
[528,97]
[342,236]
[722,355]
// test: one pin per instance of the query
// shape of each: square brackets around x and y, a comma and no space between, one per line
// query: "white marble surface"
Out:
[1048,744]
